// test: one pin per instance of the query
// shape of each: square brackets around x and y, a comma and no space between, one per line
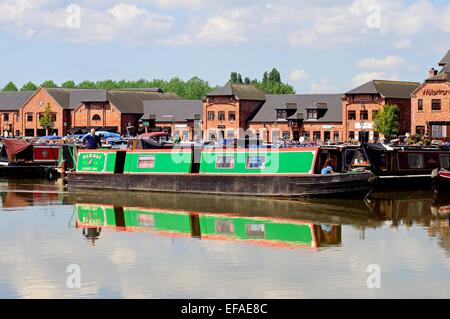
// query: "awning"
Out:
[14,147]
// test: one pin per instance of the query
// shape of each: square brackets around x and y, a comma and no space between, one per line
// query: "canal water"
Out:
[57,244]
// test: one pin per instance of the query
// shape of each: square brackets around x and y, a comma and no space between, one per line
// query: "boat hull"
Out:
[333,185]
[442,181]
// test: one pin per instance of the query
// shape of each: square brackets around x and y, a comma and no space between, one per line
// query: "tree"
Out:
[49,84]
[87,85]
[274,76]
[233,77]
[10,87]
[46,120]
[30,86]
[247,80]
[196,89]
[68,84]
[387,121]
[106,85]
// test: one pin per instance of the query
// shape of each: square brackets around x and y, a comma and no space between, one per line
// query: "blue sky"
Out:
[318,46]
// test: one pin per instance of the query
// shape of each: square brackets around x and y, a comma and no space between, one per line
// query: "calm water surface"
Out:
[135,245]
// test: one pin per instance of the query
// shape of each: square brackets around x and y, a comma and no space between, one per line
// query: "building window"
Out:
[286,135]
[96,117]
[363,115]
[420,130]
[327,136]
[275,136]
[146,162]
[438,131]
[54,117]
[312,114]
[17,117]
[444,160]
[225,162]
[221,116]
[336,136]
[281,114]
[231,116]
[211,116]
[6,117]
[419,105]
[351,115]
[416,161]
[436,105]
[29,117]
[306,135]
[257,162]
[17,132]
[351,135]
[185,135]
[316,135]
[230,134]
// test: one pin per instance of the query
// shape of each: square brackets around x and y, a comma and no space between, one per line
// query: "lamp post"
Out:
[363,108]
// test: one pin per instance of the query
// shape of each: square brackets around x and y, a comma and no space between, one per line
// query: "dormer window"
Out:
[282,114]
[312,114]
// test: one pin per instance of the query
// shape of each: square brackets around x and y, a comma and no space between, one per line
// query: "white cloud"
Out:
[298,75]
[120,21]
[403,44]
[369,76]
[386,63]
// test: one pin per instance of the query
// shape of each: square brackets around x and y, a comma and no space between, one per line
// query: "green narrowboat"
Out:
[228,171]
[263,231]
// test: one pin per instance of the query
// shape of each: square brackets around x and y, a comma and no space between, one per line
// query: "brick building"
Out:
[10,103]
[76,110]
[430,107]
[290,116]
[360,105]
[228,110]
[178,117]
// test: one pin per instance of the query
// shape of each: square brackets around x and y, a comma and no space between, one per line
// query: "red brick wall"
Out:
[216,104]
[427,92]
[266,129]
[34,106]
[247,108]
[12,124]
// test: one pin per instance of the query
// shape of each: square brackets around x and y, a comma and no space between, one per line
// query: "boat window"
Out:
[445,160]
[360,158]
[416,161]
[225,162]
[255,230]
[224,227]
[256,162]
[146,162]
[146,220]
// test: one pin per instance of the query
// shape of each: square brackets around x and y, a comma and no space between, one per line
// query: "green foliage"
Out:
[49,84]
[87,85]
[196,89]
[271,82]
[30,86]
[387,121]
[69,84]
[10,87]
[46,120]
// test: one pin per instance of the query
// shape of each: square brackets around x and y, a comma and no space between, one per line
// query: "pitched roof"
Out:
[388,89]
[240,91]
[267,113]
[12,101]
[133,102]
[175,110]
[445,60]
[126,100]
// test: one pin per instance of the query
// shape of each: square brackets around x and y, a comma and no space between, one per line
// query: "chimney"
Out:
[432,73]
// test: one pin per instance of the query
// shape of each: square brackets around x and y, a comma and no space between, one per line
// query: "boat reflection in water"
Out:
[277,232]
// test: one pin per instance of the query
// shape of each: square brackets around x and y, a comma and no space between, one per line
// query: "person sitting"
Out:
[92,141]
[328,167]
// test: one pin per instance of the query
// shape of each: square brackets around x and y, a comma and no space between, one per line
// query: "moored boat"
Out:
[441,180]
[223,171]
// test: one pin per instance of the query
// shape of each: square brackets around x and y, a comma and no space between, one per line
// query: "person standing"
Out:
[92,141]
